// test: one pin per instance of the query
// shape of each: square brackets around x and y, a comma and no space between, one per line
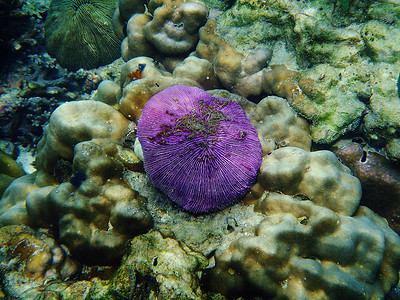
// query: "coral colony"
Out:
[200,150]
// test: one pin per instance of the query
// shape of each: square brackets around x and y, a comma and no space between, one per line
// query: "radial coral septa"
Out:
[200,150]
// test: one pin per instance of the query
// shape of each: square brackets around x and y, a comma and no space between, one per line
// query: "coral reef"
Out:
[317,176]
[299,231]
[237,73]
[92,191]
[94,211]
[9,170]
[347,62]
[79,34]
[170,265]
[169,29]
[278,126]
[210,152]
[35,267]
[97,214]
[33,90]
[21,29]
[317,95]
[154,78]
[380,180]
[302,250]
[29,258]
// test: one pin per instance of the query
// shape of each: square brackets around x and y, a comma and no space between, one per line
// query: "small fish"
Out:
[77,179]
[136,74]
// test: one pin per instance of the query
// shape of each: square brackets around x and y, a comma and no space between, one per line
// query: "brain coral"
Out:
[79,33]
[200,150]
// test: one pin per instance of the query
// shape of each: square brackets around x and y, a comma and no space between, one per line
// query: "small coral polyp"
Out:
[200,150]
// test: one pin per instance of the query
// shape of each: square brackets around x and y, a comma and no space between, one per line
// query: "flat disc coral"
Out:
[79,33]
[200,150]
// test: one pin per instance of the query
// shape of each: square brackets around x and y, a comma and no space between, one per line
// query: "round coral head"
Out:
[200,150]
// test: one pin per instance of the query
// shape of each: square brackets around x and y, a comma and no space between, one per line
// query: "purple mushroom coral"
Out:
[200,150]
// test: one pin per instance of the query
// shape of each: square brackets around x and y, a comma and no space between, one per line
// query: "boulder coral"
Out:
[168,29]
[237,73]
[9,170]
[90,206]
[200,150]
[96,215]
[302,250]
[317,176]
[154,78]
[76,122]
[79,34]
[278,126]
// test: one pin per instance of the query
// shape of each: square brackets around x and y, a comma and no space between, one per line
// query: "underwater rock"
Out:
[393,150]
[201,151]
[79,34]
[321,95]
[381,122]
[380,180]
[36,87]
[318,176]
[167,267]
[316,31]
[30,259]
[380,41]
[21,30]
[301,250]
